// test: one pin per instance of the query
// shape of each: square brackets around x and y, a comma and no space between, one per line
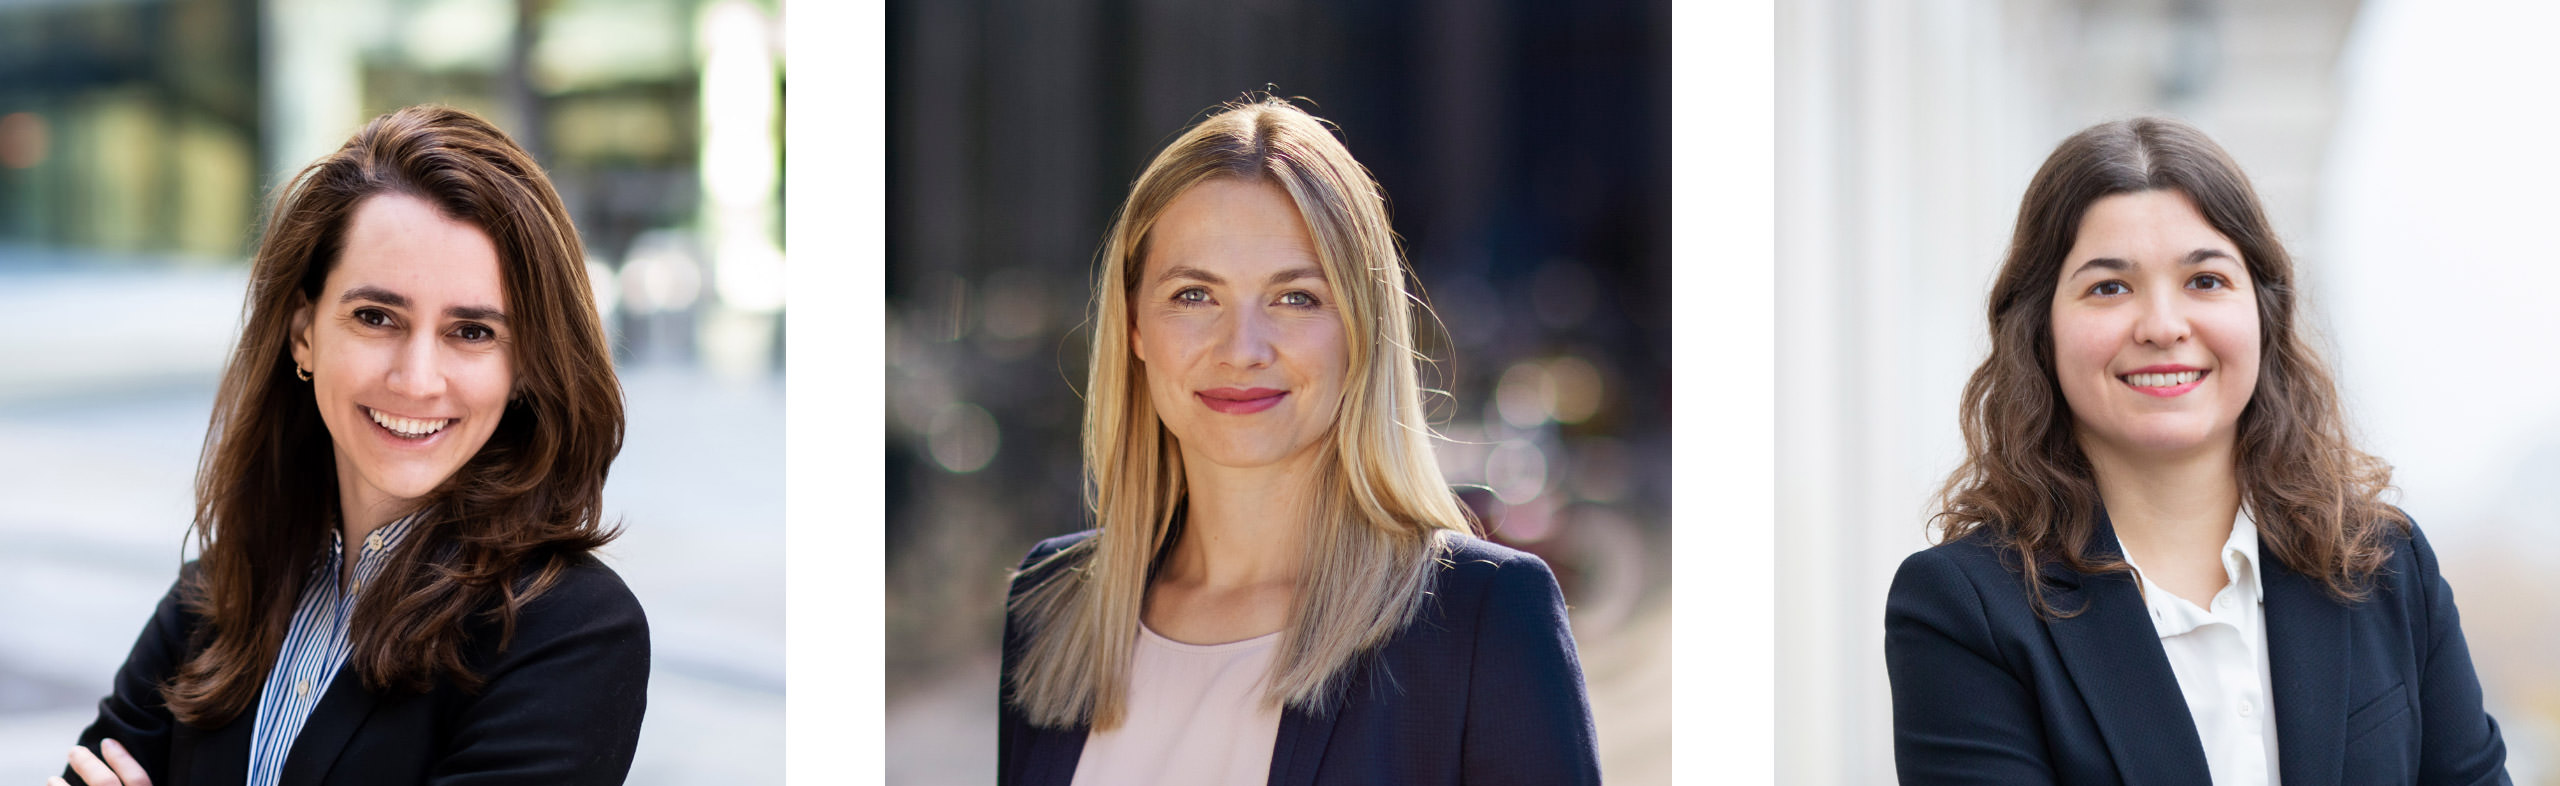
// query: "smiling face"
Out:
[1236,328]
[2155,330]
[407,345]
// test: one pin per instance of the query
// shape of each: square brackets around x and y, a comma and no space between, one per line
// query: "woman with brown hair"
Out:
[401,490]
[1281,589]
[2163,560]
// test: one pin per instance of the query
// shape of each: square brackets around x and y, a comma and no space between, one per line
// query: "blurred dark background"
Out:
[1525,150]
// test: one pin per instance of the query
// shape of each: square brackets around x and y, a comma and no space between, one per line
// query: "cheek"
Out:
[2235,342]
[2082,347]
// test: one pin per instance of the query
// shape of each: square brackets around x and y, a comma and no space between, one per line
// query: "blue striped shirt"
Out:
[314,649]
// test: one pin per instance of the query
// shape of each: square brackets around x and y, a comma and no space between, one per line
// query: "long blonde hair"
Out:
[1383,509]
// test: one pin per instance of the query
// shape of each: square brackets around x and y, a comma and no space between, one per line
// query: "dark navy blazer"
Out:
[1483,688]
[1984,691]
[561,704]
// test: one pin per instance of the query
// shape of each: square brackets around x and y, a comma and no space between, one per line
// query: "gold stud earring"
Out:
[303,373]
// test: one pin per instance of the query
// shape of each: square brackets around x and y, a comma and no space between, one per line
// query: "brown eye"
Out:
[2109,289]
[373,316]
[474,333]
[2210,281]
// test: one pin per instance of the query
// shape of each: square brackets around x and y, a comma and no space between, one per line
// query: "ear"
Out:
[302,320]
[1137,344]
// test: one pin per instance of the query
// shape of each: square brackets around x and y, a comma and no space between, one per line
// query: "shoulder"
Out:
[1965,563]
[2409,570]
[1969,586]
[589,586]
[1050,556]
[586,603]
[1467,561]
[1488,582]
[1043,549]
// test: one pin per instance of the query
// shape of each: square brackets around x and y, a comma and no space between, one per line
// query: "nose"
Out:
[2164,320]
[1246,340]
[417,372]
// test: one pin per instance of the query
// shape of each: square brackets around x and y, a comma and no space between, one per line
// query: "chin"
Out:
[2171,438]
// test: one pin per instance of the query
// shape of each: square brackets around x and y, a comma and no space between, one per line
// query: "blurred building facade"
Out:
[1525,150]
[1907,135]
[140,142]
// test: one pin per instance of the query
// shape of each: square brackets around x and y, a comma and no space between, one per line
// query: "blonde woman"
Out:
[1282,588]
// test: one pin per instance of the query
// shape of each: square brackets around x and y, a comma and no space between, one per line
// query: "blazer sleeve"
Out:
[1528,720]
[2461,744]
[1959,715]
[561,704]
[134,714]
[1013,728]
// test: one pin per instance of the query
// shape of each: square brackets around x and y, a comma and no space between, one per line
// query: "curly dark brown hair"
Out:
[2026,485]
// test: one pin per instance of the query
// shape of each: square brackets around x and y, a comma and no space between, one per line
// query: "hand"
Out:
[119,768]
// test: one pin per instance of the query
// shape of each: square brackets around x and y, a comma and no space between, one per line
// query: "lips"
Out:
[2165,381]
[407,427]
[1240,401]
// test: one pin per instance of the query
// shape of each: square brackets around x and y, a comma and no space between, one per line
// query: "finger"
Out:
[56,782]
[127,768]
[90,769]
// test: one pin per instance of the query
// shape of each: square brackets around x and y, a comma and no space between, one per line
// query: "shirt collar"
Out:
[377,543]
[2175,616]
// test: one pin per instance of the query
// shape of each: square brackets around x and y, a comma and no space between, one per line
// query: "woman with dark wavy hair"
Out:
[401,489]
[2163,560]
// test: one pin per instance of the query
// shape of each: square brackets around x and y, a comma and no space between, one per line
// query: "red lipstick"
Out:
[1240,401]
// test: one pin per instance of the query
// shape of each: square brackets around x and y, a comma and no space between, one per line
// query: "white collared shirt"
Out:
[2220,657]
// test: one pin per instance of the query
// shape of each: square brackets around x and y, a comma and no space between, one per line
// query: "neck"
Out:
[1243,526]
[2169,505]
[356,520]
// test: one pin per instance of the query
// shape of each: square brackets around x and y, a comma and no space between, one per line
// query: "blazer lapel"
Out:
[2113,654]
[1299,748]
[2307,662]
[333,722]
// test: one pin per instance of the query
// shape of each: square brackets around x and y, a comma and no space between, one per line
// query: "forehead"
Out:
[1229,226]
[2145,228]
[399,242]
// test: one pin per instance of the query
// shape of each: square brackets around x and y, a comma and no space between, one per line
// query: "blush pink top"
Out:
[1196,716]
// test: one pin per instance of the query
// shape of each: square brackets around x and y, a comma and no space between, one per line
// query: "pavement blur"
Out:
[99,436]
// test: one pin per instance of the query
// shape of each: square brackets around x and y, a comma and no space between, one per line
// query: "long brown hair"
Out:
[1383,510]
[494,535]
[2026,485]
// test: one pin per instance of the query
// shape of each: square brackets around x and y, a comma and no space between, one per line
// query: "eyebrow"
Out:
[2195,257]
[1195,274]
[396,300]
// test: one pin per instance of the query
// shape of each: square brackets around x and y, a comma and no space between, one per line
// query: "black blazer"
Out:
[1984,691]
[560,705]
[1483,688]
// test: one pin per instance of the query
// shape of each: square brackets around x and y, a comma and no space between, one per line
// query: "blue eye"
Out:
[1298,298]
[1191,295]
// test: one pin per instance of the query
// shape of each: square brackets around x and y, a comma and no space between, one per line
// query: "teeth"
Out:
[2162,380]
[408,427]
